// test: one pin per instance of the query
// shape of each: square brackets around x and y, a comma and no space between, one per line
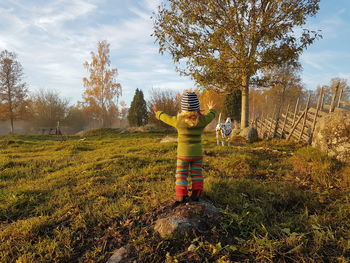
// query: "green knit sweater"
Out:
[189,138]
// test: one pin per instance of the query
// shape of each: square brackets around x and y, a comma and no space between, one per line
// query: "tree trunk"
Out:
[12,130]
[245,102]
[10,107]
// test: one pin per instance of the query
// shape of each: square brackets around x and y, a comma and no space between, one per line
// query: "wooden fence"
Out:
[298,123]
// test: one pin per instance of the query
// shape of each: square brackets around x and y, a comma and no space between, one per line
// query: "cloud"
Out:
[321,66]
[325,60]
[53,39]
[62,11]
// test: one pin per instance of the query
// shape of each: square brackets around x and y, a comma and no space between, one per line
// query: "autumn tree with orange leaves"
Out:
[102,89]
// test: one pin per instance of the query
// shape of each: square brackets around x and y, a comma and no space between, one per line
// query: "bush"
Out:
[310,164]
[164,100]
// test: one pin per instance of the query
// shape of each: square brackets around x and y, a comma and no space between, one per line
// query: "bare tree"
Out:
[13,91]
[165,100]
[48,108]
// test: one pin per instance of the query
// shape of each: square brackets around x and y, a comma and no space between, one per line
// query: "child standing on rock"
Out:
[190,124]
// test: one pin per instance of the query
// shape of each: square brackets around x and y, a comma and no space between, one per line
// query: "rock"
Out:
[186,218]
[172,226]
[118,256]
[124,132]
[168,139]
[191,248]
[98,132]
[250,134]
[146,128]
[236,132]
[332,135]
[81,133]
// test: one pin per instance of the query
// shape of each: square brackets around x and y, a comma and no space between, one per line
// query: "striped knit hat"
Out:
[189,102]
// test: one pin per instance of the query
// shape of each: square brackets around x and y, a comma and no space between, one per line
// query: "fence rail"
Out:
[298,124]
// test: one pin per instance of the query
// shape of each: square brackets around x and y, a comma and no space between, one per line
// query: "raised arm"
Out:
[209,116]
[170,120]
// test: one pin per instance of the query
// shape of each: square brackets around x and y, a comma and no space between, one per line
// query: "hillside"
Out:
[77,200]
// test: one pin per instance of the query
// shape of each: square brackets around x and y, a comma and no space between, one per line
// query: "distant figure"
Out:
[190,124]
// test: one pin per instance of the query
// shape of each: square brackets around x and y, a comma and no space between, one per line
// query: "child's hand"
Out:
[154,108]
[210,105]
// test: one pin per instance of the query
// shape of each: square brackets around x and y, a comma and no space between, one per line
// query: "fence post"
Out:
[331,108]
[322,101]
[316,115]
[277,121]
[295,111]
[271,130]
[306,111]
[285,121]
[340,95]
[262,124]
[295,125]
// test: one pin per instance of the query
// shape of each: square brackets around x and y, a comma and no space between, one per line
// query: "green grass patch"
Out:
[78,200]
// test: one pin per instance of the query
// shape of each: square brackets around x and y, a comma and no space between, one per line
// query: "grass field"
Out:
[78,200]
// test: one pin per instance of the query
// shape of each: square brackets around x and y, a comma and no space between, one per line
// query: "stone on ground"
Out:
[168,139]
[332,135]
[186,218]
[119,256]
[250,134]
[173,226]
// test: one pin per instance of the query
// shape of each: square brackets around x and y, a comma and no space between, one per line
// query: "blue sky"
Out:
[54,37]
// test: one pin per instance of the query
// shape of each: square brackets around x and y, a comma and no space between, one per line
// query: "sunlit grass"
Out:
[77,200]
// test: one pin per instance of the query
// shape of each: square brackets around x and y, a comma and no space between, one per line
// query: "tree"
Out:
[13,91]
[48,108]
[76,119]
[102,88]
[329,90]
[232,105]
[167,101]
[283,86]
[206,95]
[224,43]
[138,115]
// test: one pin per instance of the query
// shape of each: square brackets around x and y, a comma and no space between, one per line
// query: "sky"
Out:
[53,38]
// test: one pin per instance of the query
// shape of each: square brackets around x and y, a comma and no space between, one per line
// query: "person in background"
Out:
[190,124]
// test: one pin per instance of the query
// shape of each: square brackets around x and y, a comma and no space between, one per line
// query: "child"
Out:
[190,124]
